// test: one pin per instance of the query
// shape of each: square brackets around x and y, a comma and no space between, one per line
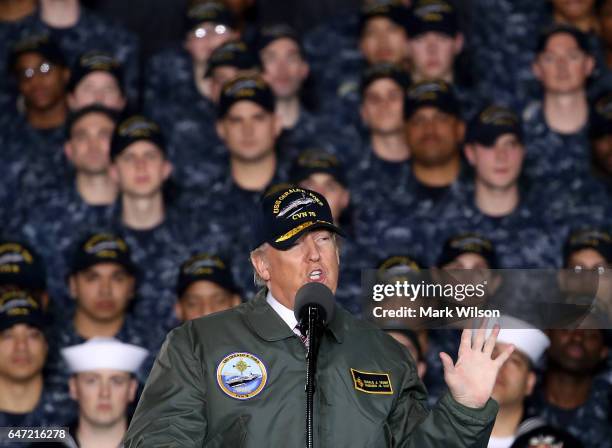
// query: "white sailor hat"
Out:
[104,353]
[525,337]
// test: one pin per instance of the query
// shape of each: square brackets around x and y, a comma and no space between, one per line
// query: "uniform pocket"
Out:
[234,436]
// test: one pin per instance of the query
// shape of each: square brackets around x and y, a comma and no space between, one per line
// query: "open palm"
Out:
[471,379]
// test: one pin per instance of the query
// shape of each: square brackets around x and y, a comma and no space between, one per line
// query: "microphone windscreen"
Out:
[314,293]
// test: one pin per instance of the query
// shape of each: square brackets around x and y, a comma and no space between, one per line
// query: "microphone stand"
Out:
[312,340]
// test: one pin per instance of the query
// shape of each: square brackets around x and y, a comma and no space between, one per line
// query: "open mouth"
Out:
[316,275]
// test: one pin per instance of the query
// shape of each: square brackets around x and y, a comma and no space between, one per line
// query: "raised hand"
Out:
[472,378]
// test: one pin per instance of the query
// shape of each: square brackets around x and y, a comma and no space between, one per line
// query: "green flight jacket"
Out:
[368,393]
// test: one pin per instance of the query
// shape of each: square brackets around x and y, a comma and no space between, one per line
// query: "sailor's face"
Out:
[314,258]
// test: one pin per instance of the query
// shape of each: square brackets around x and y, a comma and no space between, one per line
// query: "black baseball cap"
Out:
[315,160]
[287,213]
[580,37]
[20,265]
[18,306]
[394,10]
[95,61]
[600,121]
[438,94]
[468,243]
[42,44]
[384,71]
[433,15]
[233,54]
[102,248]
[397,268]
[492,122]
[245,88]
[597,239]
[135,128]
[76,115]
[270,33]
[205,266]
[211,11]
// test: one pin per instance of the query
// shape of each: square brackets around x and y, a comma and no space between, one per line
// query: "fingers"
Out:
[466,341]
[491,340]
[503,356]
[480,335]
[447,362]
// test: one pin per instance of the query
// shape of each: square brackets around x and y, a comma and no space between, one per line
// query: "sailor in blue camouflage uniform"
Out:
[407,214]
[52,219]
[84,31]
[28,398]
[249,128]
[435,45]
[320,171]
[158,230]
[497,206]
[97,78]
[194,147]
[556,126]
[600,136]
[33,140]
[583,409]
[383,154]
[382,38]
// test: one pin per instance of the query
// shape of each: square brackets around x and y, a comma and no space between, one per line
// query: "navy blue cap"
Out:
[95,61]
[210,11]
[287,213]
[597,239]
[382,71]
[270,33]
[394,10]
[315,160]
[233,54]
[205,266]
[492,122]
[20,265]
[468,243]
[433,15]
[245,88]
[18,306]
[438,94]
[133,129]
[42,44]
[102,248]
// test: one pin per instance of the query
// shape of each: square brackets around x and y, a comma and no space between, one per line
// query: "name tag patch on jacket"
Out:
[241,375]
[372,382]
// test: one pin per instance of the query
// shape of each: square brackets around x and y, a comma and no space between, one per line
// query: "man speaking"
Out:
[236,378]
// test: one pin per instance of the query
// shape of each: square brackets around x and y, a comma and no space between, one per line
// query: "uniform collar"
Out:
[270,326]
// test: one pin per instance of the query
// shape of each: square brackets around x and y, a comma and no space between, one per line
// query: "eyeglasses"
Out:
[210,30]
[599,270]
[44,69]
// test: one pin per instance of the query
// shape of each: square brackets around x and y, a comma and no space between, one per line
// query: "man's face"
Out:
[89,145]
[498,166]
[577,351]
[97,88]
[587,274]
[42,83]
[336,195]
[573,9]
[383,40]
[141,169]
[103,291]
[103,396]
[206,38]
[219,77]
[284,69]
[202,298]
[382,107]
[432,55]
[515,380]
[602,152]
[433,136]
[249,131]
[563,67]
[468,260]
[605,23]
[314,258]
[23,351]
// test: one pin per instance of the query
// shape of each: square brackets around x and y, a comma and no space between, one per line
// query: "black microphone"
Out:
[314,309]
[314,295]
